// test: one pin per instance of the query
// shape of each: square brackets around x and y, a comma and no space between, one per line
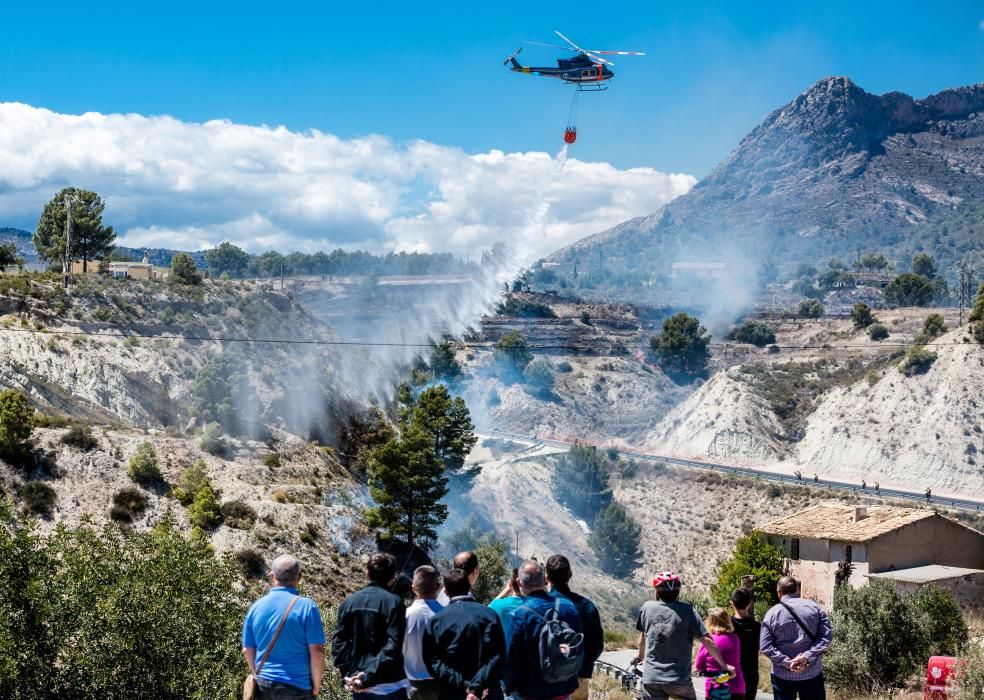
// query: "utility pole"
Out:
[67,265]
[965,275]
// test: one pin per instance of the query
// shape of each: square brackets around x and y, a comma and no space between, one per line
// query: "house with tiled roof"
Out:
[832,539]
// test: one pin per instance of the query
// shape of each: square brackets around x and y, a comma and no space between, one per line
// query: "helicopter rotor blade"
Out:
[617,53]
[553,46]
[598,59]
[578,48]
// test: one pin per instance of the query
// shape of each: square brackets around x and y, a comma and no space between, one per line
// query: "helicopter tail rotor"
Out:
[512,58]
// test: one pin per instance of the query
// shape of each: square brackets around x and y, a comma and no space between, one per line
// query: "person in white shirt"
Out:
[426,583]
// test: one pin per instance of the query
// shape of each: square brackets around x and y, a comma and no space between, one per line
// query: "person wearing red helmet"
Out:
[667,630]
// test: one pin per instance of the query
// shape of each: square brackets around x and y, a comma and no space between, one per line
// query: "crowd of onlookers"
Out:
[538,640]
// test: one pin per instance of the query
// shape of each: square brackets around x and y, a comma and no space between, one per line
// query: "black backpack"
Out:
[561,648]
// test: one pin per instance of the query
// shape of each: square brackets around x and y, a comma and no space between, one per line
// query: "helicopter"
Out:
[587,69]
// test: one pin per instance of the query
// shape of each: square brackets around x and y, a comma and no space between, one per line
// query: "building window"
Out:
[794,549]
[848,553]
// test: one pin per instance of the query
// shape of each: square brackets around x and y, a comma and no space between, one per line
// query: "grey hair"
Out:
[286,568]
[531,576]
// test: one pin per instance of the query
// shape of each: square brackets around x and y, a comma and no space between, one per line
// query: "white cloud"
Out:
[187,185]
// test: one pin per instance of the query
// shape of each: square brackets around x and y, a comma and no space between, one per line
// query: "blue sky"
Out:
[429,79]
[433,70]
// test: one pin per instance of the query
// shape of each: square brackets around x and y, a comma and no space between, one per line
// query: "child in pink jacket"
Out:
[719,625]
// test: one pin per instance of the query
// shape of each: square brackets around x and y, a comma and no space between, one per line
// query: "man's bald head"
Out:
[787,586]
[531,577]
[286,570]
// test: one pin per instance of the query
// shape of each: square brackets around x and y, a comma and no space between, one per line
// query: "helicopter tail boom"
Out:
[516,65]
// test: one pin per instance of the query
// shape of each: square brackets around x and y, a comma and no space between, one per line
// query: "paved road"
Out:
[913,496]
[622,659]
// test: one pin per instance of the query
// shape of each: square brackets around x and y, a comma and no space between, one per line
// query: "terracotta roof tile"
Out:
[835,521]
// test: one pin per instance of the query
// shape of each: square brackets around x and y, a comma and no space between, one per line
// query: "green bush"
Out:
[754,333]
[877,332]
[39,497]
[204,511]
[880,639]
[114,613]
[946,629]
[121,515]
[270,459]
[539,375]
[753,555]
[251,563]
[934,326]
[681,346]
[81,437]
[862,316]
[970,675]
[191,482]
[978,330]
[917,360]
[16,424]
[131,499]
[512,352]
[811,308]
[239,515]
[212,440]
[143,465]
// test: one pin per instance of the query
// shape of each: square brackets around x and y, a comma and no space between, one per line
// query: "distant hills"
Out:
[835,172]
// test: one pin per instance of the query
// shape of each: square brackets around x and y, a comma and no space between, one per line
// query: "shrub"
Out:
[251,563]
[238,515]
[753,554]
[586,318]
[80,436]
[539,375]
[946,630]
[121,515]
[970,675]
[204,511]
[270,459]
[979,332]
[564,367]
[143,465]
[16,424]
[512,352]
[917,360]
[881,638]
[862,316]
[934,326]
[131,499]
[110,613]
[191,482]
[39,497]
[811,308]
[212,440]
[877,331]
[755,333]
[681,346]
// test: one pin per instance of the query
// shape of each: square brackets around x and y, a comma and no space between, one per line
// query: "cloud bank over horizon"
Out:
[176,184]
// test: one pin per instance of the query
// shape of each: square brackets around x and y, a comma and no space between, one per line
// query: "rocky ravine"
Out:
[914,432]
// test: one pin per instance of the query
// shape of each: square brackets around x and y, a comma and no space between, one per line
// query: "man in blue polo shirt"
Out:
[294,666]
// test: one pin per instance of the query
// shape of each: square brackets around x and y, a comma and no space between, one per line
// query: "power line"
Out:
[485,345]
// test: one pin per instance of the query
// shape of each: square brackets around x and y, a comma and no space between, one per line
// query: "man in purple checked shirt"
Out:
[795,635]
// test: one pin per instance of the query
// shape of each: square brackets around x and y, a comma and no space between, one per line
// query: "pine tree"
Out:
[205,512]
[581,481]
[615,540]
[681,347]
[407,482]
[753,555]
[447,419]
[443,363]
[16,424]
[90,239]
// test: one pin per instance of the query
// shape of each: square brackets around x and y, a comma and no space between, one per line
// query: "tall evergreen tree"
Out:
[615,540]
[581,481]
[681,347]
[407,482]
[443,363]
[447,419]
[9,256]
[90,239]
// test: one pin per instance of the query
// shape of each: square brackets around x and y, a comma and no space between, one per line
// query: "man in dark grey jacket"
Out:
[558,571]
[367,646]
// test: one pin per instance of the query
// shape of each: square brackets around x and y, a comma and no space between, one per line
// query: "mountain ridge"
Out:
[833,170]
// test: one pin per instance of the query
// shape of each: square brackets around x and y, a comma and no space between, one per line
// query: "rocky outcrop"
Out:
[834,170]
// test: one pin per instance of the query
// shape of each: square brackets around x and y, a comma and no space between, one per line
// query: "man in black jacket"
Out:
[367,646]
[748,630]
[559,575]
[464,647]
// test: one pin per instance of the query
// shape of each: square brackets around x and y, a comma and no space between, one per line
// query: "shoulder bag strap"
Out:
[813,637]
[276,634]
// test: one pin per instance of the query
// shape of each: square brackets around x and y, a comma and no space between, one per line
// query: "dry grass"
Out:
[605,687]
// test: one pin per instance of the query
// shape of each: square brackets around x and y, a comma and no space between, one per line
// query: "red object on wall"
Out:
[570,135]
[937,672]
